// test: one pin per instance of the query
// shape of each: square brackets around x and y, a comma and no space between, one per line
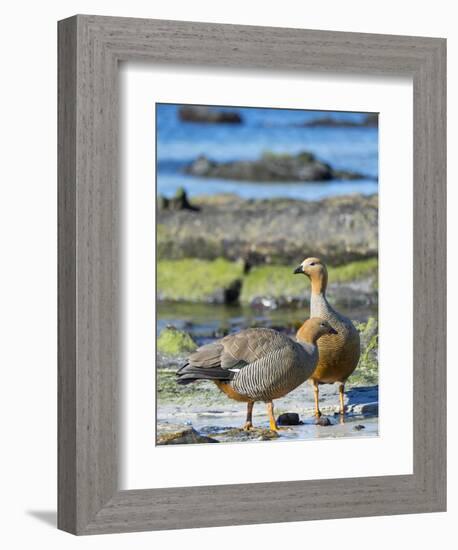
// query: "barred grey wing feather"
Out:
[250,345]
[274,375]
[238,350]
[207,356]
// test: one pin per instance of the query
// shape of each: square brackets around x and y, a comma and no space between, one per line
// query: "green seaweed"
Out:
[203,392]
[172,341]
[278,281]
[304,156]
[273,281]
[192,280]
[366,373]
[354,271]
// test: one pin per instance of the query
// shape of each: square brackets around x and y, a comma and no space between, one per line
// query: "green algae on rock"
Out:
[224,282]
[366,372]
[193,280]
[275,281]
[172,341]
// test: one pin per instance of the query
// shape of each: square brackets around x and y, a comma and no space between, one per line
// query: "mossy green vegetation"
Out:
[277,281]
[192,280]
[273,281]
[353,271]
[304,156]
[172,341]
[203,392]
[366,373]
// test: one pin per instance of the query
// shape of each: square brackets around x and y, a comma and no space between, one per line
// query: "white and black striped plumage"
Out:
[259,364]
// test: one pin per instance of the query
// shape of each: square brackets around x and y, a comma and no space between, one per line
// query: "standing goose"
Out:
[257,364]
[339,353]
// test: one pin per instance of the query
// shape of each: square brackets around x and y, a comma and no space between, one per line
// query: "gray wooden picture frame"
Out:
[90,49]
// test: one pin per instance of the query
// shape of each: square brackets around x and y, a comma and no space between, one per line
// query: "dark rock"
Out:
[323,421]
[232,292]
[289,419]
[359,427]
[205,115]
[270,167]
[179,202]
[228,295]
[369,409]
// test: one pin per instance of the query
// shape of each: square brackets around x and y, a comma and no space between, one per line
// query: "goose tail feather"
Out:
[188,374]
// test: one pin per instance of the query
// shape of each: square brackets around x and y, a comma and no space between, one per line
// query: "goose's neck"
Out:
[319,282]
[319,306]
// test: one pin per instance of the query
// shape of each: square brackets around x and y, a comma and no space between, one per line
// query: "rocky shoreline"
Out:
[243,251]
[270,231]
[271,167]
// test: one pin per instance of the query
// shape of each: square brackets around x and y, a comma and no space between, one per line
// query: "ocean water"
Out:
[277,130]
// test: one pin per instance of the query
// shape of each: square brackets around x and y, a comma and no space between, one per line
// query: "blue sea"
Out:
[276,130]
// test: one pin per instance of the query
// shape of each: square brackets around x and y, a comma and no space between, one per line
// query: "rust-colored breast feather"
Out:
[227,388]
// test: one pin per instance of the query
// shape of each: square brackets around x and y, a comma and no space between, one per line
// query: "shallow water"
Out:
[207,321]
[168,183]
[352,426]
[224,415]
[276,130]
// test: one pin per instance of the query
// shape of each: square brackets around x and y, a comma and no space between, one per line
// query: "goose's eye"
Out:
[312,264]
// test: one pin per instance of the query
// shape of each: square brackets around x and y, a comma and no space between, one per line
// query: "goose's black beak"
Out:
[298,270]
[333,331]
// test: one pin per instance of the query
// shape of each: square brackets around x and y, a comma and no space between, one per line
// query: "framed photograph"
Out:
[251,275]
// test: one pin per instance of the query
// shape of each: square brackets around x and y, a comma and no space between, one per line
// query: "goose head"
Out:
[313,329]
[316,271]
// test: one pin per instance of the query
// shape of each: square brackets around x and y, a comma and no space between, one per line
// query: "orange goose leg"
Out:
[316,394]
[249,416]
[270,412]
